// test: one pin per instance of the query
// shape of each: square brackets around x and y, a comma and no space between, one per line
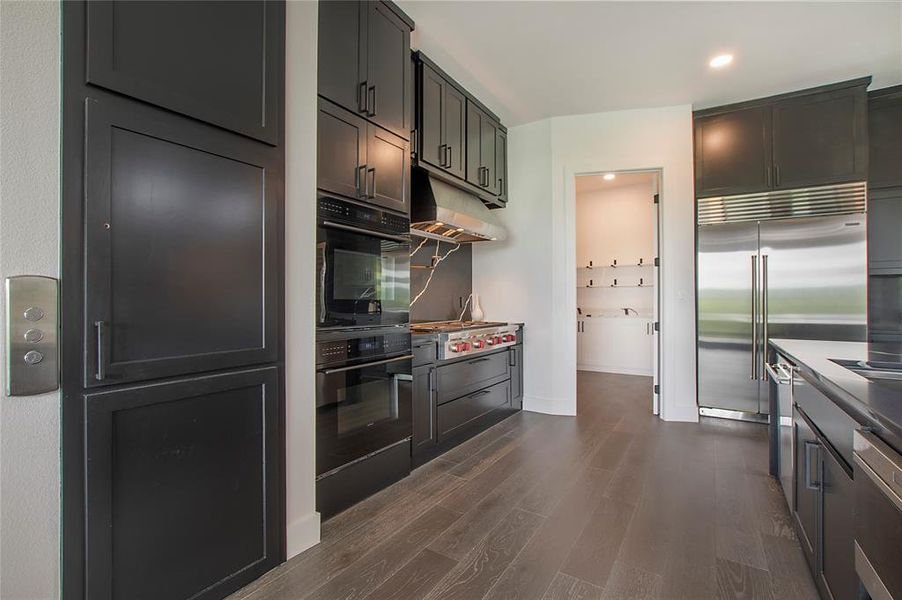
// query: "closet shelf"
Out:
[591,287]
[599,267]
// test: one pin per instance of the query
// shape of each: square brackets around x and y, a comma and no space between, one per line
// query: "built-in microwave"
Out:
[363,266]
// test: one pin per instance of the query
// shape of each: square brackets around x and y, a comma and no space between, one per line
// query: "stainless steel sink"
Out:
[875,370]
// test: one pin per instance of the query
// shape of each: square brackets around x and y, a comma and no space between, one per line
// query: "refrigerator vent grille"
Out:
[841,199]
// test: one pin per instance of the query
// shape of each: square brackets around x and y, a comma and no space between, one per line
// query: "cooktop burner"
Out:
[447,326]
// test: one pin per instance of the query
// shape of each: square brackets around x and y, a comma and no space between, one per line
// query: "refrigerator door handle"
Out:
[754,370]
[764,313]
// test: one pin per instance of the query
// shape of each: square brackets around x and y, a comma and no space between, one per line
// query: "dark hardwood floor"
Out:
[612,504]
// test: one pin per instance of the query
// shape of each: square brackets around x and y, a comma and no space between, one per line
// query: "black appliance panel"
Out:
[363,396]
[363,266]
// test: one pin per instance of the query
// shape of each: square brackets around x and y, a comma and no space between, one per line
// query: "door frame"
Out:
[569,274]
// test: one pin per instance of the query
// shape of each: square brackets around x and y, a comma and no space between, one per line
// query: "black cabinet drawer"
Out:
[458,379]
[832,422]
[454,415]
[423,352]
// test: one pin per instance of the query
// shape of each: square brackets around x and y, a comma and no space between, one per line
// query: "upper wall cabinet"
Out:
[364,50]
[885,138]
[229,76]
[809,138]
[457,138]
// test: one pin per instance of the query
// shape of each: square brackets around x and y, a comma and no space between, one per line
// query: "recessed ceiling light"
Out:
[609,176]
[721,60]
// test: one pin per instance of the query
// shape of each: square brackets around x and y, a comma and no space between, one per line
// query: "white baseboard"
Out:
[682,414]
[543,405]
[614,370]
[302,534]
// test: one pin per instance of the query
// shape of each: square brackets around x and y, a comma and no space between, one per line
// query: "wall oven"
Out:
[363,395]
[363,266]
[878,516]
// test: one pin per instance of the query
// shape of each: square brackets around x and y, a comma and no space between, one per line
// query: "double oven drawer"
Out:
[878,517]
[454,416]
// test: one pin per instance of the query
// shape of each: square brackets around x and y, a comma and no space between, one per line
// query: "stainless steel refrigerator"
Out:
[787,264]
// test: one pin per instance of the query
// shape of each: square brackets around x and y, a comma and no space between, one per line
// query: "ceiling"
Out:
[593,183]
[532,60]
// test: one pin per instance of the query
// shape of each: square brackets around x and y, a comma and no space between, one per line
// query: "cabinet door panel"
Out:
[388,169]
[183,489]
[501,165]
[423,408]
[455,123]
[820,139]
[340,151]
[885,140]
[474,144]
[838,537]
[733,152]
[180,240]
[388,69]
[342,37]
[808,476]
[488,136]
[219,61]
[432,149]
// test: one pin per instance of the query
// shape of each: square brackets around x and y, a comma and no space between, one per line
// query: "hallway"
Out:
[613,504]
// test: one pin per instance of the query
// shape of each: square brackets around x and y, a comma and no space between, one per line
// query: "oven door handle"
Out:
[387,236]
[364,365]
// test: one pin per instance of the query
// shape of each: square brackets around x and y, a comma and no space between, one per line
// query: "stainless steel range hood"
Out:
[443,212]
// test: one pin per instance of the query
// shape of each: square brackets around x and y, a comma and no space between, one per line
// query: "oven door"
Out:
[878,517]
[363,277]
[361,409]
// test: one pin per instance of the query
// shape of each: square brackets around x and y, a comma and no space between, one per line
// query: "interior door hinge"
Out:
[657,389]
[657,326]
[657,262]
[656,198]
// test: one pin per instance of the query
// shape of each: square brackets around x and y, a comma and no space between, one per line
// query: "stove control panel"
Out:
[474,341]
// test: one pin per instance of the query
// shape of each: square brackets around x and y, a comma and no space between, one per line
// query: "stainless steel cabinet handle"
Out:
[371,172]
[441,155]
[100,374]
[359,175]
[754,371]
[371,111]
[810,482]
[764,315]
[448,156]
[500,187]
[369,364]
[361,97]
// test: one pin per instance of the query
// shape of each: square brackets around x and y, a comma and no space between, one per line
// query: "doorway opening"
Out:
[617,275]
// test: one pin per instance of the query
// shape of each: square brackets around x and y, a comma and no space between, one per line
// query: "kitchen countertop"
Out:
[871,403]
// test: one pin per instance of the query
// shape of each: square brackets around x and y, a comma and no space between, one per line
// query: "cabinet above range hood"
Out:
[443,212]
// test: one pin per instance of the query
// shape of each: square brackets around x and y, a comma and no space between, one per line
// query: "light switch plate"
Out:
[32,335]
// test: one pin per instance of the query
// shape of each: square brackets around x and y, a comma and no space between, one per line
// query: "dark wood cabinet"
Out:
[838,529]
[442,123]
[423,414]
[733,152]
[501,164]
[364,50]
[516,364]
[482,135]
[457,138]
[807,492]
[820,139]
[220,63]
[824,506]
[885,138]
[359,160]
[802,139]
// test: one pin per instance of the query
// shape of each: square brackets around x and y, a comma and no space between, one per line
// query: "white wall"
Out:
[615,224]
[29,244]
[531,276]
[29,224]
[302,520]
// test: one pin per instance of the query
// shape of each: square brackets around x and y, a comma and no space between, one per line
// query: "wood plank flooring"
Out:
[613,504]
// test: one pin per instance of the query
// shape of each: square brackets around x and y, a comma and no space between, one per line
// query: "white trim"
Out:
[530,402]
[302,533]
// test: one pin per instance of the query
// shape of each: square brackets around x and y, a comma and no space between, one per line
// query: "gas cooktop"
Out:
[462,338]
[448,326]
